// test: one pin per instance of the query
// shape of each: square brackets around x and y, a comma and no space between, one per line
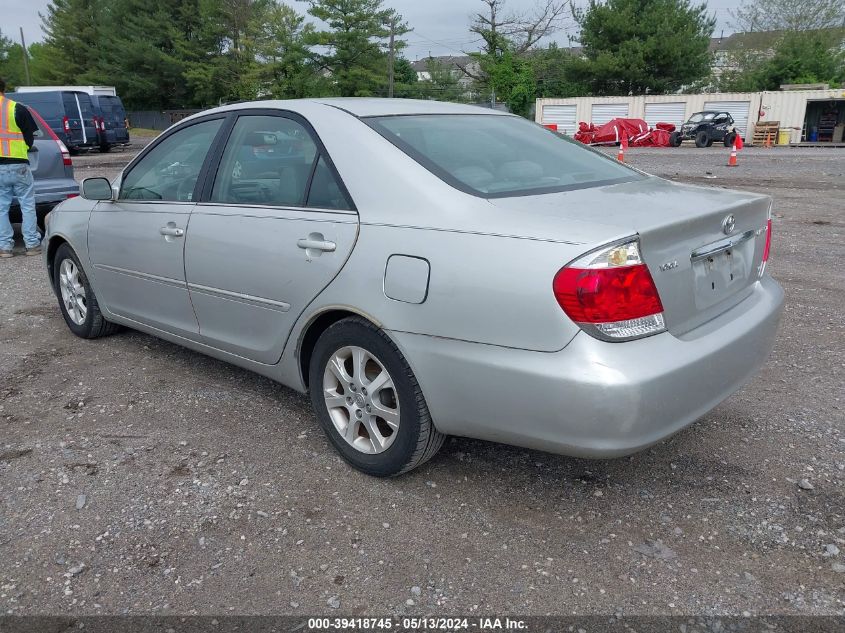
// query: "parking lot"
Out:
[139,477]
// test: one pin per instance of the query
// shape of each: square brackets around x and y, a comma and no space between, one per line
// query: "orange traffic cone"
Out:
[732,159]
[621,155]
[769,140]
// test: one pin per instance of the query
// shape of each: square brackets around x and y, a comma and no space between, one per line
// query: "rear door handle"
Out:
[316,243]
[171,231]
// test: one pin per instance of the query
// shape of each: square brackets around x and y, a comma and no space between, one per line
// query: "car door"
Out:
[274,228]
[136,242]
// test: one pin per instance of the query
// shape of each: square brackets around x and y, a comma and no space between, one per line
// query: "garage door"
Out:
[561,115]
[665,113]
[737,109]
[604,112]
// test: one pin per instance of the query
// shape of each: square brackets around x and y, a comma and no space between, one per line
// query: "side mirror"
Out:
[97,189]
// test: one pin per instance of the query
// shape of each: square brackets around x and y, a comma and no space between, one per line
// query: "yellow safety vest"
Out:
[12,144]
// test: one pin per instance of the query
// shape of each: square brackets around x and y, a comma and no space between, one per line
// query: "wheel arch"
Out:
[52,247]
[317,324]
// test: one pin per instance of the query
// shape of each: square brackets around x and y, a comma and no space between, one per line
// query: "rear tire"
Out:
[77,300]
[105,149]
[702,139]
[350,356]
[730,139]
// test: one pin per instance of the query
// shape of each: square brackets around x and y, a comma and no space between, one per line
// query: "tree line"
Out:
[163,54]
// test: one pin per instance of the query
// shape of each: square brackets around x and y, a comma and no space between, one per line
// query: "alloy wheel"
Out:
[361,399]
[73,292]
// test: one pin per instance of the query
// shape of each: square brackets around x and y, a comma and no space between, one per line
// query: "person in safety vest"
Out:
[17,136]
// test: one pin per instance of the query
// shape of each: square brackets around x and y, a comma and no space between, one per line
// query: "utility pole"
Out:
[25,59]
[394,20]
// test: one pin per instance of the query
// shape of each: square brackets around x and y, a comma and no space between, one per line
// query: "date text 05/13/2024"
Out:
[417,624]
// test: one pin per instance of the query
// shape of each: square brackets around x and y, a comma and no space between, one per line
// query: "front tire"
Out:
[368,401]
[702,139]
[675,139]
[76,297]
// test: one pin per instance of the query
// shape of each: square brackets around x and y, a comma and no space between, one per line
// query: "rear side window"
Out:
[47,105]
[499,156]
[272,160]
[325,192]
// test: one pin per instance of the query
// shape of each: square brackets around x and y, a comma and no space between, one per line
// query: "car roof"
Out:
[364,106]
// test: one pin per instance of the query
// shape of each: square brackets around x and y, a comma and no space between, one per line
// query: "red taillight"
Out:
[66,160]
[610,293]
[768,246]
[604,295]
[66,124]
[72,195]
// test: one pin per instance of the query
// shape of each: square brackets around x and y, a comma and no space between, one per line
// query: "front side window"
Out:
[170,170]
[499,156]
[268,160]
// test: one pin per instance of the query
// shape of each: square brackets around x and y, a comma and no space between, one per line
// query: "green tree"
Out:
[798,58]
[549,66]
[642,46]
[73,38]
[284,69]
[407,86]
[141,52]
[442,82]
[788,15]
[11,62]
[352,41]
[512,79]
[221,60]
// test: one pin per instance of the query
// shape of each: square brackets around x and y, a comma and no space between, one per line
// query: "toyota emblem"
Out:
[728,224]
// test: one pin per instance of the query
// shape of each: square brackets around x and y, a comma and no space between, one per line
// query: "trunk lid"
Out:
[702,262]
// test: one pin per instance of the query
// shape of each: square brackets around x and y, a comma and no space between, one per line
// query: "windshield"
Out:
[498,156]
[701,116]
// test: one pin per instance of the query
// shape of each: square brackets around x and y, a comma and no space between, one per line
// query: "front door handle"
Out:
[317,243]
[171,231]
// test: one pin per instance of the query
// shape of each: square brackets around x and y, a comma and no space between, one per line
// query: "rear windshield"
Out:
[85,105]
[114,107]
[499,156]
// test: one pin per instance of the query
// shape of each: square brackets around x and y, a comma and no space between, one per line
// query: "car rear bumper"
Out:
[46,199]
[594,399]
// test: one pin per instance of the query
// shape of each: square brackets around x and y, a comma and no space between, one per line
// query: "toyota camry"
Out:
[426,269]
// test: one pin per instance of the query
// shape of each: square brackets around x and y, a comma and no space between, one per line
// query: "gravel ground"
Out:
[139,477]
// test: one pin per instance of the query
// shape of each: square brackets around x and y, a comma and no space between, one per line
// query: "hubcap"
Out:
[361,399]
[73,292]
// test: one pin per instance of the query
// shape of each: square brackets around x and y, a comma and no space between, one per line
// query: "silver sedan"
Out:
[427,269]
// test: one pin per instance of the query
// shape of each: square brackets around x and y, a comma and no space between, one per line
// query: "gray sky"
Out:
[440,26]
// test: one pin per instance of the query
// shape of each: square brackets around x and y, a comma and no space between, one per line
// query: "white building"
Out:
[808,115]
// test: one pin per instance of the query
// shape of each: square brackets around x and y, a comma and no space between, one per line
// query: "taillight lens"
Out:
[610,294]
[768,246]
[66,124]
[66,160]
